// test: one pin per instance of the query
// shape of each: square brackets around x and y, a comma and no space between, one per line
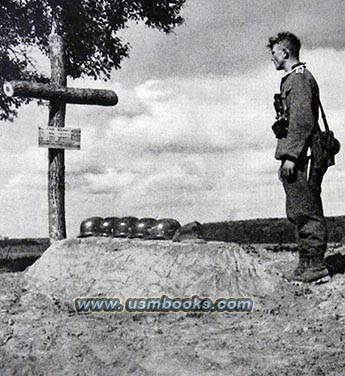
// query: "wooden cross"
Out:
[58,95]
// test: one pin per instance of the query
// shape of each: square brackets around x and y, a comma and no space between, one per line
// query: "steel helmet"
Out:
[124,227]
[142,227]
[193,230]
[90,227]
[107,226]
[164,229]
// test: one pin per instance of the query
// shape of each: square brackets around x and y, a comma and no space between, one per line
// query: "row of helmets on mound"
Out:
[129,227]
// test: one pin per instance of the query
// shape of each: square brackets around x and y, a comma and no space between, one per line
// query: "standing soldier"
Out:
[297,107]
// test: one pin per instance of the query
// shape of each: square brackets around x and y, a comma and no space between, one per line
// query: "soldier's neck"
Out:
[289,64]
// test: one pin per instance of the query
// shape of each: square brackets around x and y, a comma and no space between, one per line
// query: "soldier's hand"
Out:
[288,168]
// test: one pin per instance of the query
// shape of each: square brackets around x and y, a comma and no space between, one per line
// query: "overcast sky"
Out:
[191,135]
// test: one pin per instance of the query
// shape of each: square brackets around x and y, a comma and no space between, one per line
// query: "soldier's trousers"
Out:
[304,209]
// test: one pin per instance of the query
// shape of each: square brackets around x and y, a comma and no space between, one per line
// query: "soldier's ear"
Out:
[285,53]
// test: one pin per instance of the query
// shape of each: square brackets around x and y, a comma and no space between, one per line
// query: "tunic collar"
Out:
[295,67]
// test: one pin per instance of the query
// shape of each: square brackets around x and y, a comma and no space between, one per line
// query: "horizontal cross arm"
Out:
[53,92]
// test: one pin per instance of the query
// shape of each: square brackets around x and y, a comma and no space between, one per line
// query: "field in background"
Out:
[17,254]
[267,231]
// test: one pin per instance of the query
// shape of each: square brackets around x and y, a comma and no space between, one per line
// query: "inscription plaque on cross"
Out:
[59,95]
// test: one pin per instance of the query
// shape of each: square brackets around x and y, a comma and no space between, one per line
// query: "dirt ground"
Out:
[293,330]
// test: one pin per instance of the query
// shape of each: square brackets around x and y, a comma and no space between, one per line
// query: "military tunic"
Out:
[299,92]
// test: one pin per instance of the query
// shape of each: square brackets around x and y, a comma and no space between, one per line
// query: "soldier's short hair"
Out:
[288,40]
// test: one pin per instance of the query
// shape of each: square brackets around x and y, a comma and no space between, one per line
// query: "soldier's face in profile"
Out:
[278,56]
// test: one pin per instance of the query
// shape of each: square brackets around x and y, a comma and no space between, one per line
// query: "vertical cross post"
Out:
[56,157]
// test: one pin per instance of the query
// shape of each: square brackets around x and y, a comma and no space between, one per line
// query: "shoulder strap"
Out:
[323,115]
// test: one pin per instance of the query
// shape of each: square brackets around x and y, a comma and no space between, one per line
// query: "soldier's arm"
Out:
[301,118]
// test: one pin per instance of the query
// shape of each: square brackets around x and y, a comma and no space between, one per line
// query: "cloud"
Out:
[217,114]
[196,152]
